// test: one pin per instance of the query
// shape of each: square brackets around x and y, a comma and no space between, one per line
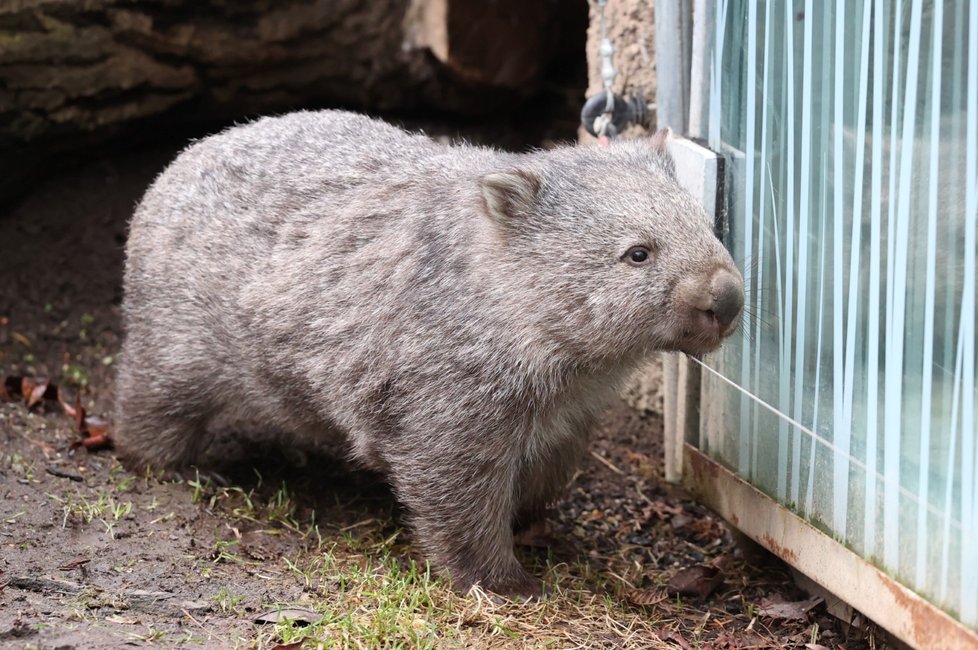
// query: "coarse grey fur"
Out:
[458,314]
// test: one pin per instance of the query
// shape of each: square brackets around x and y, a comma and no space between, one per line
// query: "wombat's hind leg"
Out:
[151,430]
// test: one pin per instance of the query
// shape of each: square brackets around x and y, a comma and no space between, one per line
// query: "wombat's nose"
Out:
[727,291]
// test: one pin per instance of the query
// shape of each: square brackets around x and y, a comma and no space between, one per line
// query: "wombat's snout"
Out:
[726,300]
[714,302]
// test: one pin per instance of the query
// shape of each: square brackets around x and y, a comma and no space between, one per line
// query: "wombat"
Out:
[458,314]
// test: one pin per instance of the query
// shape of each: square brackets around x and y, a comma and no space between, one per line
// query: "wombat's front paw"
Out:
[519,588]
[187,474]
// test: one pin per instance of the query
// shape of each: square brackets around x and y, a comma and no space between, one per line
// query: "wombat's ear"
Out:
[660,144]
[510,194]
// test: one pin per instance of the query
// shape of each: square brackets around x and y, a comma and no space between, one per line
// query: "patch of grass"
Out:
[21,467]
[228,601]
[222,551]
[122,481]
[281,508]
[379,602]
[79,508]
[369,593]
[199,487]
[364,588]
[151,636]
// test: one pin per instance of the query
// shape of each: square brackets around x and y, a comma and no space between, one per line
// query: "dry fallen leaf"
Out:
[646,596]
[293,614]
[662,510]
[74,564]
[74,411]
[699,581]
[93,429]
[289,646]
[33,391]
[675,637]
[777,608]
[97,442]
[121,620]
[704,529]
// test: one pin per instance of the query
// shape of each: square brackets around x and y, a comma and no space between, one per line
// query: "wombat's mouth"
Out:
[698,346]
[711,306]
[705,333]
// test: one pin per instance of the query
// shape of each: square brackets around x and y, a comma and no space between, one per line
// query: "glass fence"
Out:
[850,130]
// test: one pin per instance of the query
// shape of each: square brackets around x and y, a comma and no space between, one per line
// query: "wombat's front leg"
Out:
[544,477]
[462,514]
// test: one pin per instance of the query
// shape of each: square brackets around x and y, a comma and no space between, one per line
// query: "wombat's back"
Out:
[243,234]
[257,175]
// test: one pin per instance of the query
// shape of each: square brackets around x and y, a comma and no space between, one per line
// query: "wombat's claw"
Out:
[210,476]
[193,475]
[524,590]
[217,479]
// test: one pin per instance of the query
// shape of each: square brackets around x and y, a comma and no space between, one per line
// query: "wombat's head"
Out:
[615,258]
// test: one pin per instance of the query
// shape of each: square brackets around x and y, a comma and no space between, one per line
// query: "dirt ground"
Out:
[93,556]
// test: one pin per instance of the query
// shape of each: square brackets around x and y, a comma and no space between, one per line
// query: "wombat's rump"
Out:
[457,313]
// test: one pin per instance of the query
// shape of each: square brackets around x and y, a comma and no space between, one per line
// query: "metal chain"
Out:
[604,114]
[603,124]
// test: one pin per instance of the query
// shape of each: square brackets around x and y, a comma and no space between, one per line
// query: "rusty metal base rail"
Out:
[892,606]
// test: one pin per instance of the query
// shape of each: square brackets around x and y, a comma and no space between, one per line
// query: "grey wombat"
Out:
[457,313]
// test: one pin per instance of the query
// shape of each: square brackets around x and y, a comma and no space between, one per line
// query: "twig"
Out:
[607,463]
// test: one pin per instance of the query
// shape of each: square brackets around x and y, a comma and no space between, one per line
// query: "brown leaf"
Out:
[95,426]
[94,430]
[646,596]
[777,608]
[663,510]
[675,637]
[74,564]
[289,646]
[70,411]
[704,529]
[33,392]
[78,412]
[96,442]
[291,614]
[722,562]
[699,581]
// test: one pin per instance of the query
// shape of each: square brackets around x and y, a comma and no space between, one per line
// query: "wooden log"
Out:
[77,72]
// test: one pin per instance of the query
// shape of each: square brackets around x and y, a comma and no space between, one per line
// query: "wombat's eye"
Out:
[637,256]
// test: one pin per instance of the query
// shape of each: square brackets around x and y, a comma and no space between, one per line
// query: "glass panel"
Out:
[851,135]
